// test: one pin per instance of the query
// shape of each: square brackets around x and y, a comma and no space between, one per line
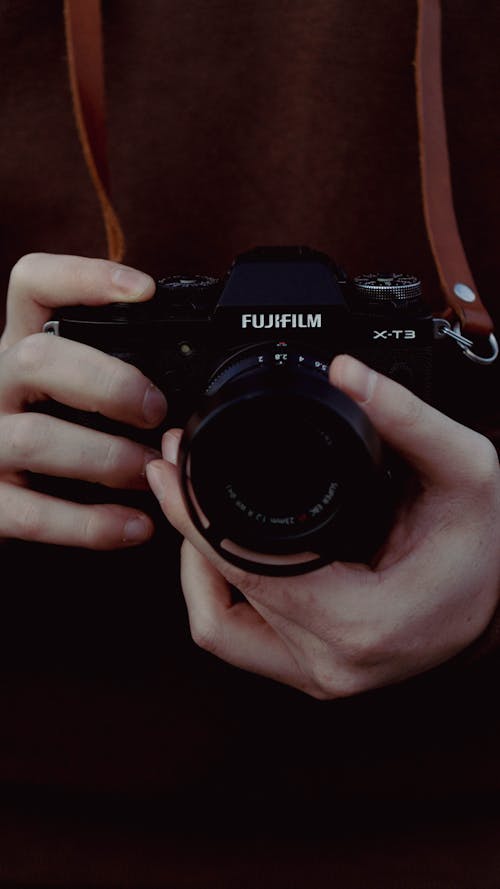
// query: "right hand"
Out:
[35,366]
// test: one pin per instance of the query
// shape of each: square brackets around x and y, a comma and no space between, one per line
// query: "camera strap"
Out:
[84,46]
[464,309]
[457,283]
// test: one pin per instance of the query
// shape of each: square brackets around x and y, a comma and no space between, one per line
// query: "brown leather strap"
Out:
[442,228]
[86,72]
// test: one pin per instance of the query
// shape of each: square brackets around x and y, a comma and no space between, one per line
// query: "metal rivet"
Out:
[464,293]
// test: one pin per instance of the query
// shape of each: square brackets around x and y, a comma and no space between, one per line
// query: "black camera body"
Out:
[281,472]
[193,325]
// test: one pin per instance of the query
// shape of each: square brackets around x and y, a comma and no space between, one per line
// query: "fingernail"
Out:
[356,379]
[131,283]
[170,447]
[149,455]
[154,405]
[155,479]
[136,529]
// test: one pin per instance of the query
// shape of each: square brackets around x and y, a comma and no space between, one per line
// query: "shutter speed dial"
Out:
[392,290]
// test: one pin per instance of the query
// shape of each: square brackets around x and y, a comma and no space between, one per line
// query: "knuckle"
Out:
[330,681]
[28,436]
[486,465]
[30,353]
[205,634]
[98,531]
[320,696]
[318,693]
[121,379]
[90,530]
[367,646]
[24,270]
[89,276]
[334,671]
[30,522]
[81,270]
[324,681]
[112,459]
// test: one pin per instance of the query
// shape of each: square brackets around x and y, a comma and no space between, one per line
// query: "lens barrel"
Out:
[282,472]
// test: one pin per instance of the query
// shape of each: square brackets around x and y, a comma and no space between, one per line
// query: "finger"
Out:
[43,366]
[47,445]
[439,448]
[41,281]
[28,515]
[163,481]
[234,632]
[306,600]
[170,448]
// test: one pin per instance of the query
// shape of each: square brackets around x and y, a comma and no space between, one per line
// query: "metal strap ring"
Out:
[479,359]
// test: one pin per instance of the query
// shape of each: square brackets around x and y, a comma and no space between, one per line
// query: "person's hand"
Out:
[35,366]
[347,628]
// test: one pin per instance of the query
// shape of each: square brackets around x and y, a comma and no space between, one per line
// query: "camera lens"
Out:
[272,472]
[280,470]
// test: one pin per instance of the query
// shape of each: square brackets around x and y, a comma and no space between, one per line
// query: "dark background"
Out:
[128,757]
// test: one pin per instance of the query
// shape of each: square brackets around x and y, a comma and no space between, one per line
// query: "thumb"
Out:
[436,446]
[39,282]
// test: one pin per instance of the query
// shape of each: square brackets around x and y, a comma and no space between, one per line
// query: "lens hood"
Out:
[282,473]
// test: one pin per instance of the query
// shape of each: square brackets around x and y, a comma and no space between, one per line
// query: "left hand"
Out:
[347,628]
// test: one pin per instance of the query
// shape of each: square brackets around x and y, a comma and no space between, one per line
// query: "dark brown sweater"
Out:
[253,122]
[231,124]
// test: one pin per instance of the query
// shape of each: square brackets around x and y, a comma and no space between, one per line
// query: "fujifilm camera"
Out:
[281,472]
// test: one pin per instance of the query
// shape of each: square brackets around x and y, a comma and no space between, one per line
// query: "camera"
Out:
[281,472]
